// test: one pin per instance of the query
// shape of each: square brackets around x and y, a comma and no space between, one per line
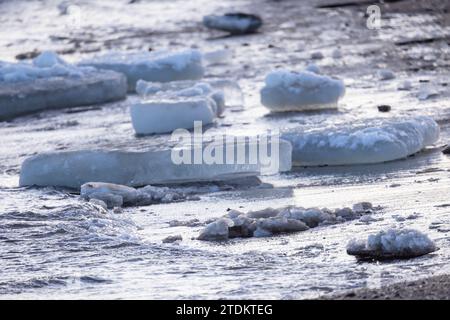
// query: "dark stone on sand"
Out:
[384,108]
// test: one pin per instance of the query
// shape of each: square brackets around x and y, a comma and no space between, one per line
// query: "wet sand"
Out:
[432,288]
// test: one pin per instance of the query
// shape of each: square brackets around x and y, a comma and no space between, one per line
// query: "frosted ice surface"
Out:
[74,168]
[292,91]
[158,66]
[165,116]
[231,90]
[393,243]
[368,141]
[49,83]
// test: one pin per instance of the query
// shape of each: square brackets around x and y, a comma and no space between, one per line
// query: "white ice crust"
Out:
[292,91]
[368,141]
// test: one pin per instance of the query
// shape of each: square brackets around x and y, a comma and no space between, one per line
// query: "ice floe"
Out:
[234,23]
[300,91]
[48,82]
[269,221]
[148,167]
[158,66]
[217,56]
[368,141]
[392,244]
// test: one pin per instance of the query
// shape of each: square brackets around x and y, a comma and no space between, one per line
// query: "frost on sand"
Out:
[269,222]
[392,244]
[371,141]
[159,66]
[300,91]
[48,82]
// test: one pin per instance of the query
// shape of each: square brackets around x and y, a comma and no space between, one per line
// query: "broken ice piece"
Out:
[154,116]
[171,239]
[336,54]
[392,244]
[386,74]
[292,91]
[51,83]
[313,68]
[368,141]
[113,195]
[158,66]
[234,23]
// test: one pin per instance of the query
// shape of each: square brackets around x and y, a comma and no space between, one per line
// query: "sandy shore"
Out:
[432,288]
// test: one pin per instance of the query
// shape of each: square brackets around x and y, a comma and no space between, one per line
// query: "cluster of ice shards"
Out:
[269,222]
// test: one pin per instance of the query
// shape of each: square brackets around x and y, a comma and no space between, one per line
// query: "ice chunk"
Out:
[50,83]
[165,116]
[46,65]
[268,222]
[369,141]
[158,66]
[96,190]
[292,91]
[147,167]
[391,244]
[217,230]
[405,85]
[230,89]
[234,23]
[386,74]
[171,239]
[115,195]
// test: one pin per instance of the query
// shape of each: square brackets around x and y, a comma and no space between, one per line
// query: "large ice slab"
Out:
[156,116]
[292,91]
[391,244]
[75,168]
[50,83]
[159,66]
[368,141]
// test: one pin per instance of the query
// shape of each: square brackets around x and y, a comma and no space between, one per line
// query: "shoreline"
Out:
[431,288]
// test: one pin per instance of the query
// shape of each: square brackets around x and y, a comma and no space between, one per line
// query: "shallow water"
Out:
[53,245]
